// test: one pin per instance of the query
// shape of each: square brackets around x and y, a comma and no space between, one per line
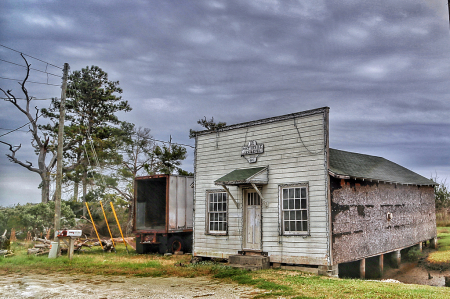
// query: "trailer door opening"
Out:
[151,204]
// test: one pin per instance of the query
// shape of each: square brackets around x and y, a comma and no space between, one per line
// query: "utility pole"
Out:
[59,162]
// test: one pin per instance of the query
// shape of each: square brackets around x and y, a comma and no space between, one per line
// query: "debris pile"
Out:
[5,246]
[40,248]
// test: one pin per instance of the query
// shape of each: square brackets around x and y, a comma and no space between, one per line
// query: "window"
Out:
[294,210]
[217,212]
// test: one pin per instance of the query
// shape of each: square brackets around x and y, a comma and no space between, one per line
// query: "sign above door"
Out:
[251,151]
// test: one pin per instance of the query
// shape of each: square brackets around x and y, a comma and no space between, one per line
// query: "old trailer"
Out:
[163,218]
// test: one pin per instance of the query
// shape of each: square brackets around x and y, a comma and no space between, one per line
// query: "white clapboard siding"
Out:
[292,157]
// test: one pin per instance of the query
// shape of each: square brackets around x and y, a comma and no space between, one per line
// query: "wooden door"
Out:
[252,233]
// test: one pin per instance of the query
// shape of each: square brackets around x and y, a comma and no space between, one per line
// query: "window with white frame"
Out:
[294,209]
[217,212]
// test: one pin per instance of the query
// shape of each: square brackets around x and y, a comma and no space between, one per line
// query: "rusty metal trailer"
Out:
[163,216]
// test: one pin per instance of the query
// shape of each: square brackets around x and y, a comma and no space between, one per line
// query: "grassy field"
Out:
[277,283]
[440,259]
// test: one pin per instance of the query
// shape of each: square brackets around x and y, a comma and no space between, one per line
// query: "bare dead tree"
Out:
[41,144]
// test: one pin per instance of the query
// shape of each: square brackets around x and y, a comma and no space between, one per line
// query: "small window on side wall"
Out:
[294,209]
[217,209]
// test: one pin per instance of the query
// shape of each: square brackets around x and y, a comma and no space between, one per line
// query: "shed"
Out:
[272,189]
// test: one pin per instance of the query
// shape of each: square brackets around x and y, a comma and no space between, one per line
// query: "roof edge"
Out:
[348,177]
[266,120]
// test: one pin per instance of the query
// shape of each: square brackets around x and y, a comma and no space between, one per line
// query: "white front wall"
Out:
[292,158]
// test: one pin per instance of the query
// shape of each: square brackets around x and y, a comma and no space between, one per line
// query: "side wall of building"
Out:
[293,156]
[360,222]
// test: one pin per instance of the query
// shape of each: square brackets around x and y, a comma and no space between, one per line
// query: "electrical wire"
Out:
[31,56]
[168,142]
[29,81]
[30,68]
[3,98]
[15,129]
[12,129]
[19,127]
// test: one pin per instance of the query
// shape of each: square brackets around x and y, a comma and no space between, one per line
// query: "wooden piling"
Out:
[381,264]
[362,269]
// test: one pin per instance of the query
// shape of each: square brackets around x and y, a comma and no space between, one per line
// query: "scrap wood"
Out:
[107,245]
[45,241]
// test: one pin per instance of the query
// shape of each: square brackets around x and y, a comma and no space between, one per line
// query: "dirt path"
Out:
[88,286]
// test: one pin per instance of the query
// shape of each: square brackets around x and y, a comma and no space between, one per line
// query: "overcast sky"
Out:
[383,68]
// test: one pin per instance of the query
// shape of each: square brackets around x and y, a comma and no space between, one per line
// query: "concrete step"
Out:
[252,261]
[245,267]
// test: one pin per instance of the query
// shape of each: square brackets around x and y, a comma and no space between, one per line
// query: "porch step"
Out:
[249,262]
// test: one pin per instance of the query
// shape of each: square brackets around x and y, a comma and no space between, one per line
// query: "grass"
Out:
[273,283]
[440,259]
[442,218]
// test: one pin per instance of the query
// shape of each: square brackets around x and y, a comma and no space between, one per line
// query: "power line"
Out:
[3,98]
[15,129]
[19,127]
[29,81]
[31,56]
[30,68]
[169,142]
[12,129]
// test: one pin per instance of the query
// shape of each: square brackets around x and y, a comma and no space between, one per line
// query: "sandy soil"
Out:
[87,286]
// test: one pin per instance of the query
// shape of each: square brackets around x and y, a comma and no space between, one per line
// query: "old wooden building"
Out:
[271,191]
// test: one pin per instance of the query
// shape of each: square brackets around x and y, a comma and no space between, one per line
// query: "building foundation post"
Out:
[434,243]
[397,258]
[419,246]
[381,264]
[362,269]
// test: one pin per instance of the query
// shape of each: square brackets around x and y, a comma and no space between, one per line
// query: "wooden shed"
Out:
[272,192]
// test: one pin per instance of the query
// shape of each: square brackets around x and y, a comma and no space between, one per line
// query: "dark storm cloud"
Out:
[381,66]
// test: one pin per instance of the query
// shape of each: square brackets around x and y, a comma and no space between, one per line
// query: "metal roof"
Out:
[257,175]
[358,166]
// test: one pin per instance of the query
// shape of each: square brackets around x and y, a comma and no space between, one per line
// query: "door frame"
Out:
[246,191]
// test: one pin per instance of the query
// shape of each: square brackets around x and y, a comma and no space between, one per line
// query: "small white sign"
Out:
[252,149]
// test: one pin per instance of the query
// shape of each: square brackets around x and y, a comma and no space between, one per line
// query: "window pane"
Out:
[291,203]
[291,193]
[211,206]
[224,206]
[292,215]
[215,197]
[304,215]
[286,215]
[303,203]
[297,192]
[305,226]
[303,192]
[292,226]
[298,225]
[211,226]
[285,193]
[219,207]
[285,204]
[298,215]
[297,203]
[286,226]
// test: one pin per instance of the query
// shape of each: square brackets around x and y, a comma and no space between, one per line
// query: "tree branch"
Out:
[28,165]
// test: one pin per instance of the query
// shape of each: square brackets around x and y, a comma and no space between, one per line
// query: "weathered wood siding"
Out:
[359,218]
[292,158]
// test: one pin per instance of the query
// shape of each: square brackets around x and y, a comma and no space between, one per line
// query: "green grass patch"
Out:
[440,259]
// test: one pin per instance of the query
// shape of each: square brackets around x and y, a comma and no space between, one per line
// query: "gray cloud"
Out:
[382,67]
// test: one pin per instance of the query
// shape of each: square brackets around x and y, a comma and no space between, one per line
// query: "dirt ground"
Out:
[104,287]
[413,273]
